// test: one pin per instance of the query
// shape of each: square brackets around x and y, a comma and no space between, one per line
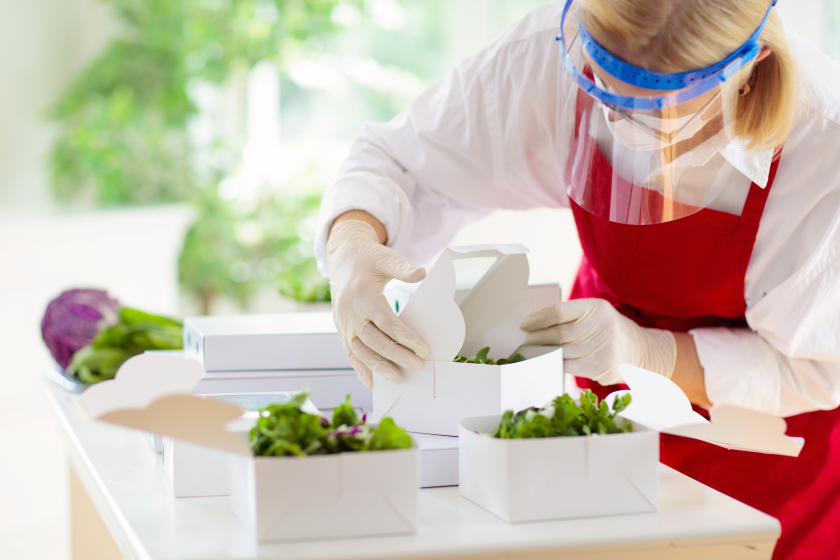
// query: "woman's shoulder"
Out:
[819,79]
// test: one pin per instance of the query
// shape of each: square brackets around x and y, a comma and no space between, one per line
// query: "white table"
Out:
[124,479]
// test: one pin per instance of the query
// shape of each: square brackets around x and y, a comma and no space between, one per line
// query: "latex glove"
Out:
[373,336]
[596,339]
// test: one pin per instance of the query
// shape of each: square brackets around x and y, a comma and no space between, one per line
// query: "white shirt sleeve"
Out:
[788,361]
[791,364]
[456,153]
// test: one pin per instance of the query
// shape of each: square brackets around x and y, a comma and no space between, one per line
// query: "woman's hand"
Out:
[375,340]
[596,339]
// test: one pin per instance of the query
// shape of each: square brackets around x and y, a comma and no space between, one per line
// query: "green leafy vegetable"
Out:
[564,417]
[285,429]
[136,332]
[481,358]
[345,414]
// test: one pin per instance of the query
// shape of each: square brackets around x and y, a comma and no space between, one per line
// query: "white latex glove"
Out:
[373,336]
[596,339]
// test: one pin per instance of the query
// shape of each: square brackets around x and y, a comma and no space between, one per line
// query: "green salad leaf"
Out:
[564,417]
[481,358]
[345,414]
[136,332]
[285,429]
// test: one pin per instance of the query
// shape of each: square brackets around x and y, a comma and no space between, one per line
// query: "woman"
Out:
[696,143]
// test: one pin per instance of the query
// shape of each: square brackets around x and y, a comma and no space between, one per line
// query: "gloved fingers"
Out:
[385,346]
[580,332]
[542,337]
[591,348]
[376,363]
[557,314]
[388,322]
[591,368]
[394,265]
[362,371]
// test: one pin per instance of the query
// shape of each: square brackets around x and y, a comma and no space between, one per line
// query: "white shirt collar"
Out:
[754,164]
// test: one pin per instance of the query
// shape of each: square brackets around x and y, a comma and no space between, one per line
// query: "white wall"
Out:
[43,46]
[808,18]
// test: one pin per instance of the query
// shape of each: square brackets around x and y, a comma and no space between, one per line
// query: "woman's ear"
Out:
[764,53]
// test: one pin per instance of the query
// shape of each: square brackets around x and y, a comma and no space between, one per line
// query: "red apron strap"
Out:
[754,205]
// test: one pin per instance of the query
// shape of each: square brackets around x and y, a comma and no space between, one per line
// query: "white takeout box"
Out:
[282,341]
[199,471]
[277,498]
[566,477]
[432,399]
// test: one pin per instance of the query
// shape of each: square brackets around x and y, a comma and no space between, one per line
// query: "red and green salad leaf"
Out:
[286,430]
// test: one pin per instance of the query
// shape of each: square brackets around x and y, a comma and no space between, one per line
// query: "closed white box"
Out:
[195,470]
[327,388]
[326,496]
[432,399]
[557,478]
[286,341]
[438,460]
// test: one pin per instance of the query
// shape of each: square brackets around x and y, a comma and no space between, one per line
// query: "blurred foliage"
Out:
[124,121]
[124,132]
[125,124]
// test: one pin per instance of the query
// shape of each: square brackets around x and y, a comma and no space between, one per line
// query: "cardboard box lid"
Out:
[489,315]
[316,322]
[659,404]
[151,392]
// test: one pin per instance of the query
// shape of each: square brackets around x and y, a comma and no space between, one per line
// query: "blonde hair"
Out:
[682,35]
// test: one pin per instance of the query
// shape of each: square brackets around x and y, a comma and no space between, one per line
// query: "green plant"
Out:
[481,358]
[124,123]
[564,417]
[124,127]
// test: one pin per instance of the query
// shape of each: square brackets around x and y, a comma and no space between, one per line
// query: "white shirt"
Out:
[483,138]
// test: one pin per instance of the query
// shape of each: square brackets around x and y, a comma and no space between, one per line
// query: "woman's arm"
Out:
[688,372]
[361,216]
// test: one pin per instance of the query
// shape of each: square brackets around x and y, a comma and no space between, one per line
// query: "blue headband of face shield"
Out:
[689,84]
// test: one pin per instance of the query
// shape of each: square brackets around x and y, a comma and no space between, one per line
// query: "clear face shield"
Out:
[641,147]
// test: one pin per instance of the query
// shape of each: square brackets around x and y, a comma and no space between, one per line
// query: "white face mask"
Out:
[637,138]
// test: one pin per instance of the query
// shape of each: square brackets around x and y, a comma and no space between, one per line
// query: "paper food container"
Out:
[282,341]
[199,471]
[567,477]
[277,498]
[433,399]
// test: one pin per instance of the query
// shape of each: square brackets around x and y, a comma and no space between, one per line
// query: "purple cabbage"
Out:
[73,320]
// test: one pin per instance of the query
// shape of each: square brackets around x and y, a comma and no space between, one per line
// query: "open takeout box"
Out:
[277,498]
[584,476]
[432,399]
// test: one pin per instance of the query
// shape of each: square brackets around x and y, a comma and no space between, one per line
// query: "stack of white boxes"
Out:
[273,353]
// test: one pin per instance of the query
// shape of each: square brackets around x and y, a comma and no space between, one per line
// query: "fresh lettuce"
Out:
[564,417]
[285,429]
[481,358]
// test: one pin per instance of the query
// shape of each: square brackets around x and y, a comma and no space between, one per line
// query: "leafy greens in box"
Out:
[564,417]
[481,358]
[285,430]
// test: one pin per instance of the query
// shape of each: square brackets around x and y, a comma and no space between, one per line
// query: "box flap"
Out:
[659,404]
[152,392]
[489,315]
[142,380]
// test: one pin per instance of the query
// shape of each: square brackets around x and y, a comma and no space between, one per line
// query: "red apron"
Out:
[690,273]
